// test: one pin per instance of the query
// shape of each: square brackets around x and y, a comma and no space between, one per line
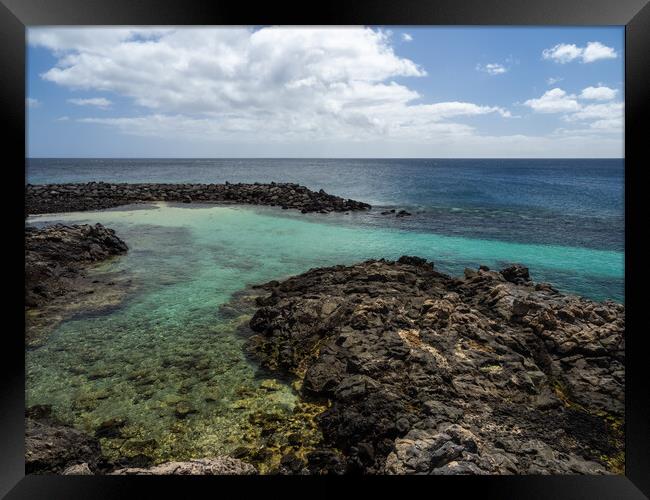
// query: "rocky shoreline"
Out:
[57,260]
[424,373]
[55,198]
[415,371]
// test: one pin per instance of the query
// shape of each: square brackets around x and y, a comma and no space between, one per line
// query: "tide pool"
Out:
[168,364]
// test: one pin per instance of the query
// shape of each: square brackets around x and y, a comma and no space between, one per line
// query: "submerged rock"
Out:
[110,428]
[426,373]
[57,259]
[183,409]
[51,447]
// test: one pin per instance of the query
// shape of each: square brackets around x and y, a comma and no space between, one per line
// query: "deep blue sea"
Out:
[562,218]
[572,202]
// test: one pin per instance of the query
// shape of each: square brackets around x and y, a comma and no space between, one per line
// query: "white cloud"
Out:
[92,40]
[554,101]
[492,68]
[563,53]
[596,50]
[228,68]
[605,118]
[600,93]
[608,111]
[610,124]
[99,102]
[416,122]
[553,80]
[407,37]
[279,84]
[30,102]
[212,90]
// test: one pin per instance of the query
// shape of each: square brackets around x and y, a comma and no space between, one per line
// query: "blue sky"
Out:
[325,92]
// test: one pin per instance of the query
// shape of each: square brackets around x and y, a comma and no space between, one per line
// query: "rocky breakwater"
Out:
[57,260]
[54,198]
[425,373]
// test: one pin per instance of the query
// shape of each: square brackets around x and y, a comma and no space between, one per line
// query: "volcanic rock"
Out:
[53,198]
[427,373]
[55,256]
[52,448]
[199,467]
[58,259]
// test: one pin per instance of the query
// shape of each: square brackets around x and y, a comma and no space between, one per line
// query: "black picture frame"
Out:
[16,15]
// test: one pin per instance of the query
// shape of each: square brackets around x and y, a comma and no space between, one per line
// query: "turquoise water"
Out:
[167,347]
[566,202]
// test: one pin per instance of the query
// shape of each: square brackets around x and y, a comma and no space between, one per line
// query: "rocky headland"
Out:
[54,198]
[425,373]
[57,260]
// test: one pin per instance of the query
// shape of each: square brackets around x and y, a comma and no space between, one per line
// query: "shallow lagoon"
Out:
[168,364]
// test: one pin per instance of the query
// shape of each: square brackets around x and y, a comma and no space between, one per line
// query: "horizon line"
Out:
[322,158]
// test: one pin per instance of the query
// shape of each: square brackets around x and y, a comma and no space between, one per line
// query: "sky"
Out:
[369,92]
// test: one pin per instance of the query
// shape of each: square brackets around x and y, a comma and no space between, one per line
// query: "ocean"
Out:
[564,219]
[572,202]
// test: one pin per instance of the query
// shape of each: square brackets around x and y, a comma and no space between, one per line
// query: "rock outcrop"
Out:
[57,258]
[56,255]
[223,465]
[53,198]
[53,448]
[425,373]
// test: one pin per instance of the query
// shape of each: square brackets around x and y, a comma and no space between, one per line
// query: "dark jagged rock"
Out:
[414,261]
[426,373]
[516,274]
[57,259]
[55,256]
[53,198]
[52,448]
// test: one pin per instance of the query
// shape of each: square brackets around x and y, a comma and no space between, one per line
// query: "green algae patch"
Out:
[615,463]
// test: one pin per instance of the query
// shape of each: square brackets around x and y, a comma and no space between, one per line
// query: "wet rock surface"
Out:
[198,467]
[56,255]
[52,448]
[57,259]
[424,373]
[54,198]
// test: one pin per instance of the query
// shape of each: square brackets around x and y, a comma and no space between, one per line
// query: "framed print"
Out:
[367,243]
